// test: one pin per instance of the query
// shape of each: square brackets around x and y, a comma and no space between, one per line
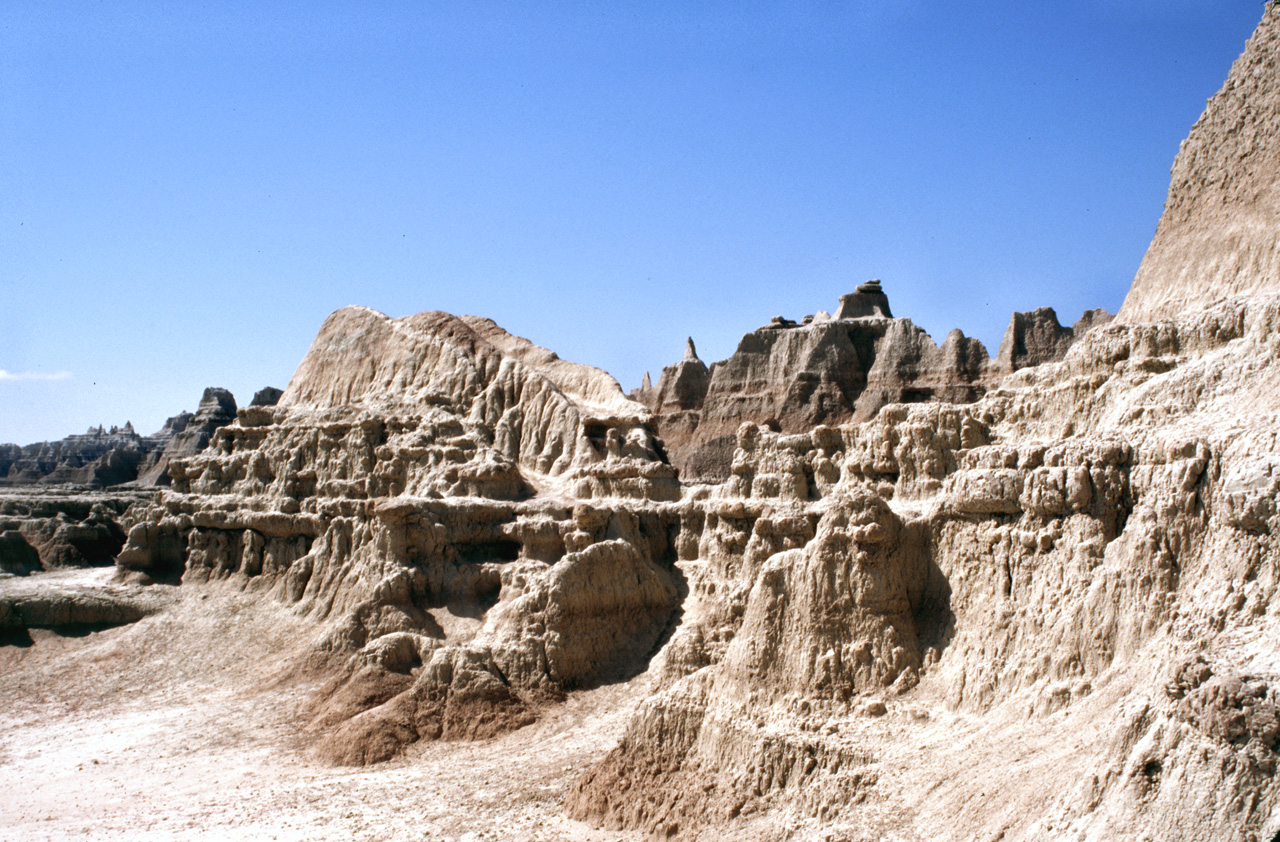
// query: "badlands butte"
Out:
[848,584]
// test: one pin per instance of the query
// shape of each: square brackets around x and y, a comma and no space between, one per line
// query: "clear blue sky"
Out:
[188,189]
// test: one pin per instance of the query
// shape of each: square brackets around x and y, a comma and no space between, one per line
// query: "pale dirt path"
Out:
[178,728]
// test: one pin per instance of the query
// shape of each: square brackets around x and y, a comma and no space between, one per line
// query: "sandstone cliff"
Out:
[1218,236]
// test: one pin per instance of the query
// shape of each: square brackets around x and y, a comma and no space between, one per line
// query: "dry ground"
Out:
[185,726]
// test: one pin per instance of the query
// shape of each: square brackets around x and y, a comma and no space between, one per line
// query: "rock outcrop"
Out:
[933,597]
[99,458]
[1036,338]
[471,517]
[187,434]
[1067,587]
[900,593]
[1218,236]
[824,370]
[102,458]
[61,528]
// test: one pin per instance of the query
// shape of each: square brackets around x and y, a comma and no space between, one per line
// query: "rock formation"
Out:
[867,301]
[187,434]
[1036,338]
[934,596]
[427,486]
[1218,236]
[103,458]
[824,370]
[98,458]
[62,529]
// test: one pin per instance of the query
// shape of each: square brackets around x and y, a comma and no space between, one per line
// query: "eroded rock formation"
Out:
[427,487]
[834,370]
[1218,235]
[935,596]
[103,457]
[98,458]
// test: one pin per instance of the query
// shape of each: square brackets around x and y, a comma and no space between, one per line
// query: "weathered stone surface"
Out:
[1033,598]
[867,301]
[439,494]
[795,376]
[67,528]
[104,457]
[188,435]
[269,396]
[1036,338]
[17,556]
[1218,236]
[99,458]
[53,601]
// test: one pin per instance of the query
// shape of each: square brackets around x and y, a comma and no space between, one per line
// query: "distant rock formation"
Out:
[102,457]
[98,458]
[189,434]
[1218,236]
[269,396]
[834,370]
[867,300]
[1036,338]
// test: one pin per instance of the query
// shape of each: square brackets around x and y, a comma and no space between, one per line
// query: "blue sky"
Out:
[188,189]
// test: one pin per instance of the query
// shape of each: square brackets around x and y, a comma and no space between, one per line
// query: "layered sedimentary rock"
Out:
[1085,650]
[103,457]
[949,589]
[1036,338]
[187,434]
[98,458]
[54,528]
[427,488]
[833,370]
[1034,598]
[1218,235]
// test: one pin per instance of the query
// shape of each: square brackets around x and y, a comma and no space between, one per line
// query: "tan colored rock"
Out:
[827,371]
[1218,236]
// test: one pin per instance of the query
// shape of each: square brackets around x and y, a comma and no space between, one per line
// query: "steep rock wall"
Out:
[1218,236]
[1037,567]
[794,376]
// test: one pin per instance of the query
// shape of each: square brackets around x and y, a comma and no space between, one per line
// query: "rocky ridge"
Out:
[1042,604]
[836,369]
[102,458]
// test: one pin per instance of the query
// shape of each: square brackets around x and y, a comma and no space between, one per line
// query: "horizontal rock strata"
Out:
[834,370]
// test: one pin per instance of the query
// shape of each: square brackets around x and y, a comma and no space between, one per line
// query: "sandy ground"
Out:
[185,726]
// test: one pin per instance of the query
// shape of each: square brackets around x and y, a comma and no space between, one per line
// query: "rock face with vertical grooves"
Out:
[1043,603]
[1218,236]
[833,370]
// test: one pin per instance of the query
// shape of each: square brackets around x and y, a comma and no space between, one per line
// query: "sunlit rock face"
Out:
[477,524]
[928,595]
[1218,236]
[793,376]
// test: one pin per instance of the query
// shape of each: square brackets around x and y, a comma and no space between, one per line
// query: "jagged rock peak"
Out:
[1036,337]
[1219,235]
[690,351]
[217,402]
